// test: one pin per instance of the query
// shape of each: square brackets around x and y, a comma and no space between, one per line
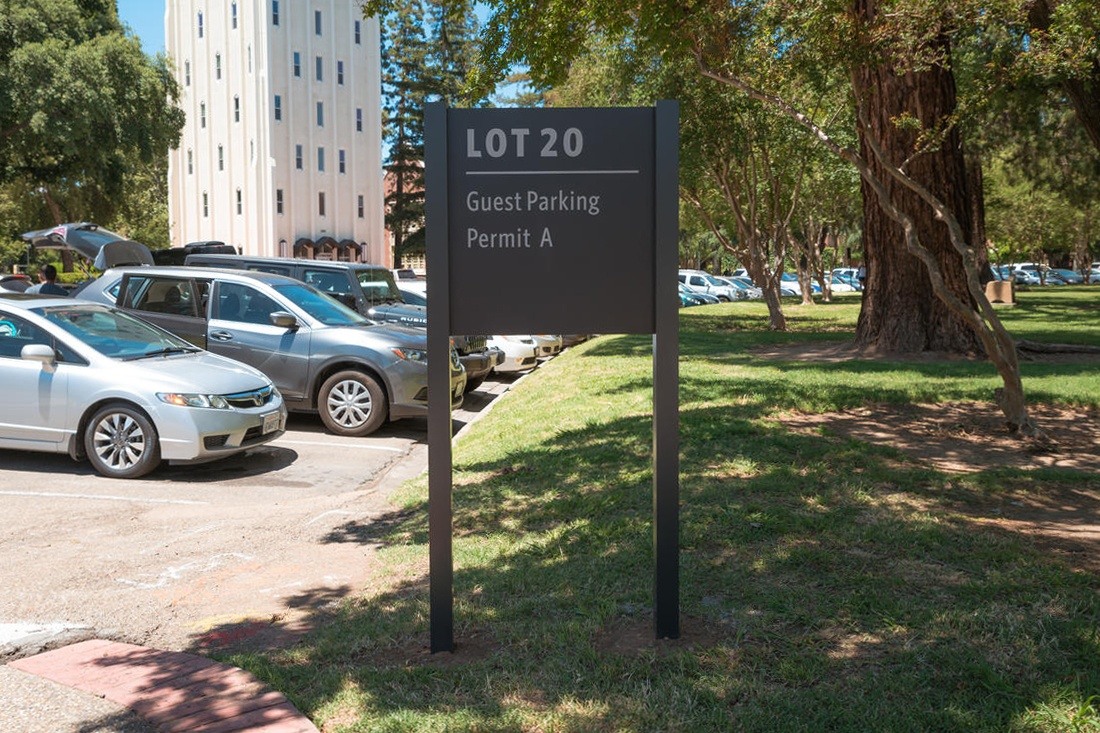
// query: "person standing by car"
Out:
[47,283]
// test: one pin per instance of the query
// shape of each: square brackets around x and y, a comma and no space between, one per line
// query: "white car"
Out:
[99,384]
[548,344]
[520,353]
[706,283]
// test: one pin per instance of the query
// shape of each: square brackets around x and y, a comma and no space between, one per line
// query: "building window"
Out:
[274,12]
[200,24]
[236,108]
[205,205]
[343,157]
[278,107]
[190,162]
[321,159]
[321,203]
[217,66]
[221,158]
[358,119]
[317,22]
[278,200]
[297,64]
[240,206]
[187,73]
[339,72]
[320,69]
[358,36]
[202,114]
[233,15]
[360,205]
[320,114]
[298,157]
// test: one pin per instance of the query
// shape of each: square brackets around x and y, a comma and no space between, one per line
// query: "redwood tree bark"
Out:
[900,312]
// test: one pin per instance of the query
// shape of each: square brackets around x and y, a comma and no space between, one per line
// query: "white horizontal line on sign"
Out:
[552,173]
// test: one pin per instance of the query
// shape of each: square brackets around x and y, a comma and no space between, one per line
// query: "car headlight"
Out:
[416,355]
[180,399]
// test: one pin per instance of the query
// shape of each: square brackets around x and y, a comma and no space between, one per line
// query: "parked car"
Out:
[520,353]
[789,285]
[548,344]
[690,297]
[705,298]
[751,291]
[413,297]
[178,255]
[14,283]
[707,283]
[407,279]
[99,247]
[742,289]
[99,384]
[1067,277]
[369,289]
[323,356]
[839,284]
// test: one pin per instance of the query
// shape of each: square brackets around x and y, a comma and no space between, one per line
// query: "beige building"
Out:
[281,153]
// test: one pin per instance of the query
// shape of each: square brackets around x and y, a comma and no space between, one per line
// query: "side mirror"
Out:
[39,352]
[282,319]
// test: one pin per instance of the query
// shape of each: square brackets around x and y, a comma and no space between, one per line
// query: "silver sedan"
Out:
[97,383]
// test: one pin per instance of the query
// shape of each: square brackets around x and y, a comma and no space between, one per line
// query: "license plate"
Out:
[271,422]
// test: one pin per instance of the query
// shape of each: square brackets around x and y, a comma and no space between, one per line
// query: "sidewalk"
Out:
[112,687]
[99,686]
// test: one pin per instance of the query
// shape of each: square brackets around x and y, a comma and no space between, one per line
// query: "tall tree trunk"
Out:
[899,313]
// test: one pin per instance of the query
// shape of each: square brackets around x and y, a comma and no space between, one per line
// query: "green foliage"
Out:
[81,107]
[827,583]
[427,49]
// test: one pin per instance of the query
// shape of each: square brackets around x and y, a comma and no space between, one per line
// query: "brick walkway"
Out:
[172,690]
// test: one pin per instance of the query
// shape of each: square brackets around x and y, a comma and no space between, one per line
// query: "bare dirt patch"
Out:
[969,437]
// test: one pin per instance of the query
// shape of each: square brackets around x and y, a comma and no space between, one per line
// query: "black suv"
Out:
[369,289]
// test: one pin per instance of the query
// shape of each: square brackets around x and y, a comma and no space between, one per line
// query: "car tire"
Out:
[121,442]
[352,403]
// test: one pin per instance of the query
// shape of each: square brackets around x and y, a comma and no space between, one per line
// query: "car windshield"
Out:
[325,309]
[114,333]
[378,286]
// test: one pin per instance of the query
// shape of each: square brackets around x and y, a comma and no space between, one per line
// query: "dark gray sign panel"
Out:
[551,220]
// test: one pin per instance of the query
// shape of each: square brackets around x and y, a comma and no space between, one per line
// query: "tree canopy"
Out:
[81,106]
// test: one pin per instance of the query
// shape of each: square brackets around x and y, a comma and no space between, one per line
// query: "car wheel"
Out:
[352,403]
[121,442]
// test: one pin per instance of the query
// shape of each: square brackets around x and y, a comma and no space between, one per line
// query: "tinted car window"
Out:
[114,333]
[378,286]
[320,306]
[244,304]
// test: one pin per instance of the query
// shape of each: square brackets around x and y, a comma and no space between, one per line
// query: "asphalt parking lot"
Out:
[175,559]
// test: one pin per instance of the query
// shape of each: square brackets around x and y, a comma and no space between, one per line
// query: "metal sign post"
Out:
[571,217]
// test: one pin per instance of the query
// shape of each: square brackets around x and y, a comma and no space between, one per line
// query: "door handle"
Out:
[221,336]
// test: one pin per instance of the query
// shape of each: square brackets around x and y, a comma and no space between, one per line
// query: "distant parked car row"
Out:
[1030,273]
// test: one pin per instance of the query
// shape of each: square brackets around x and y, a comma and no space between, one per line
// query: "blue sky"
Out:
[146,19]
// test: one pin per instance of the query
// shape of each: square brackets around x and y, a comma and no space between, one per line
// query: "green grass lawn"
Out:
[826,584]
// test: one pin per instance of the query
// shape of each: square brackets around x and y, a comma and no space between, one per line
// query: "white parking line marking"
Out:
[101,497]
[325,514]
[364,446]
[169,574]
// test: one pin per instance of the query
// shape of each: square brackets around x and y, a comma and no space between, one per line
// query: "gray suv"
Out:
[323,356]
[369,289]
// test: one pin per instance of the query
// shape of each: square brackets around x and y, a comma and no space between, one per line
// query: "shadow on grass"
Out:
[838,586]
